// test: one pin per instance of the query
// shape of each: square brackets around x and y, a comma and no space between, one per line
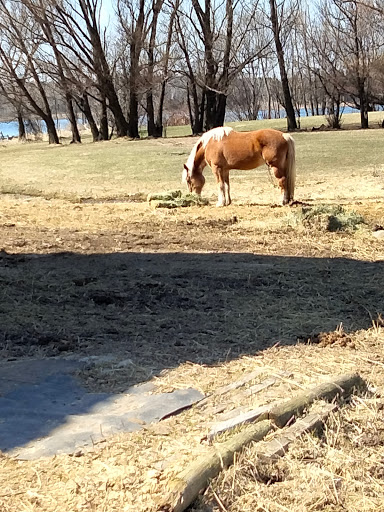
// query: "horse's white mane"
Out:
[215,134]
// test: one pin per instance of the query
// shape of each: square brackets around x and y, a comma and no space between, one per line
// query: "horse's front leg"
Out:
[222,178]
[227,194]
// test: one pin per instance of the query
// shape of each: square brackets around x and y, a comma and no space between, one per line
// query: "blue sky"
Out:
[107,11]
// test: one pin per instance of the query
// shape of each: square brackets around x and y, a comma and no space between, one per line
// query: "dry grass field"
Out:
[198,297]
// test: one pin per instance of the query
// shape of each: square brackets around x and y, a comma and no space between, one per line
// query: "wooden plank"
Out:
[241,419]
[253,390]
[314,421]
[258,414]
[230,387]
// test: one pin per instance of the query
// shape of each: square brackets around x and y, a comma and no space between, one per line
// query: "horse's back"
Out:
[244,150]
[254,140]
[268,137]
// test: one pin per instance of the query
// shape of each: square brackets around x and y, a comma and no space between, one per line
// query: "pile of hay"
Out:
[329,218]
[175,199]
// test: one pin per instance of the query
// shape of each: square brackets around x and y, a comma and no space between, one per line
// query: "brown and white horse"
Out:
[224,149]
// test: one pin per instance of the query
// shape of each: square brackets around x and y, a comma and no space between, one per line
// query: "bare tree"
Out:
[12,93]
[346,43]
[215,81]
[154,129]
[20,45]
[132,21]
[57,68]
[78,24]
[218,40]
[276,18]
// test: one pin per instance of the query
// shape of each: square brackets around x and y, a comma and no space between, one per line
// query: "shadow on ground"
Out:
[163,309]
[159,310]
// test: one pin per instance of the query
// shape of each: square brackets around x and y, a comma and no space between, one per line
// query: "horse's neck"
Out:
[200,159]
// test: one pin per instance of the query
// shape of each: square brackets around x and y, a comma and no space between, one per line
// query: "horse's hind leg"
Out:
[222,178]
[277,164]
[281,180]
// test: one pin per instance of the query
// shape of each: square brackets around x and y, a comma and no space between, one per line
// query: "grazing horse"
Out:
[224,149]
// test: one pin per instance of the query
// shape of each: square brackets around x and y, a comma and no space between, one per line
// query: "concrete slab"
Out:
[45,411]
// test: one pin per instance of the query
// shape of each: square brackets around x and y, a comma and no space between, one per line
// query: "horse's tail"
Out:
[290,168]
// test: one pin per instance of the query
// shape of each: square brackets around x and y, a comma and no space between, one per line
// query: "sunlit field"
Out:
[120,168]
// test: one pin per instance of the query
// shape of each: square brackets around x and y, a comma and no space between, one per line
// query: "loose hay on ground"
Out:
[328,218]
[175,199]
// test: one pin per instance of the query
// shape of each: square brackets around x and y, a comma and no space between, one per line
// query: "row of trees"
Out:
[204,57]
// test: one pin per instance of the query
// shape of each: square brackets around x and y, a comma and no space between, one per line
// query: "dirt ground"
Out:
[166,286]
[191,296]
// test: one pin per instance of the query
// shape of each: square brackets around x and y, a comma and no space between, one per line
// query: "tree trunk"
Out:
[20,121]
[210,110]
[133,123]
[151,128]
[136,45]
[53,138]
[291,119]
[220,109]
[85,107]
[104,131]
[196,111]
[115,108]
[72,119]
[363,105]
[159,116]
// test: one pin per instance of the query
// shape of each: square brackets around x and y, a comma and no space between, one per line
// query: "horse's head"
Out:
[195,181]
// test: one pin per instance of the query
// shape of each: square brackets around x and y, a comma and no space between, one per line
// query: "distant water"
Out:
[263,114]
[345,110]
[11,129]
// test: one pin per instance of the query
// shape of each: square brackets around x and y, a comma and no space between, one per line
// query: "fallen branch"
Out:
[341,386]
